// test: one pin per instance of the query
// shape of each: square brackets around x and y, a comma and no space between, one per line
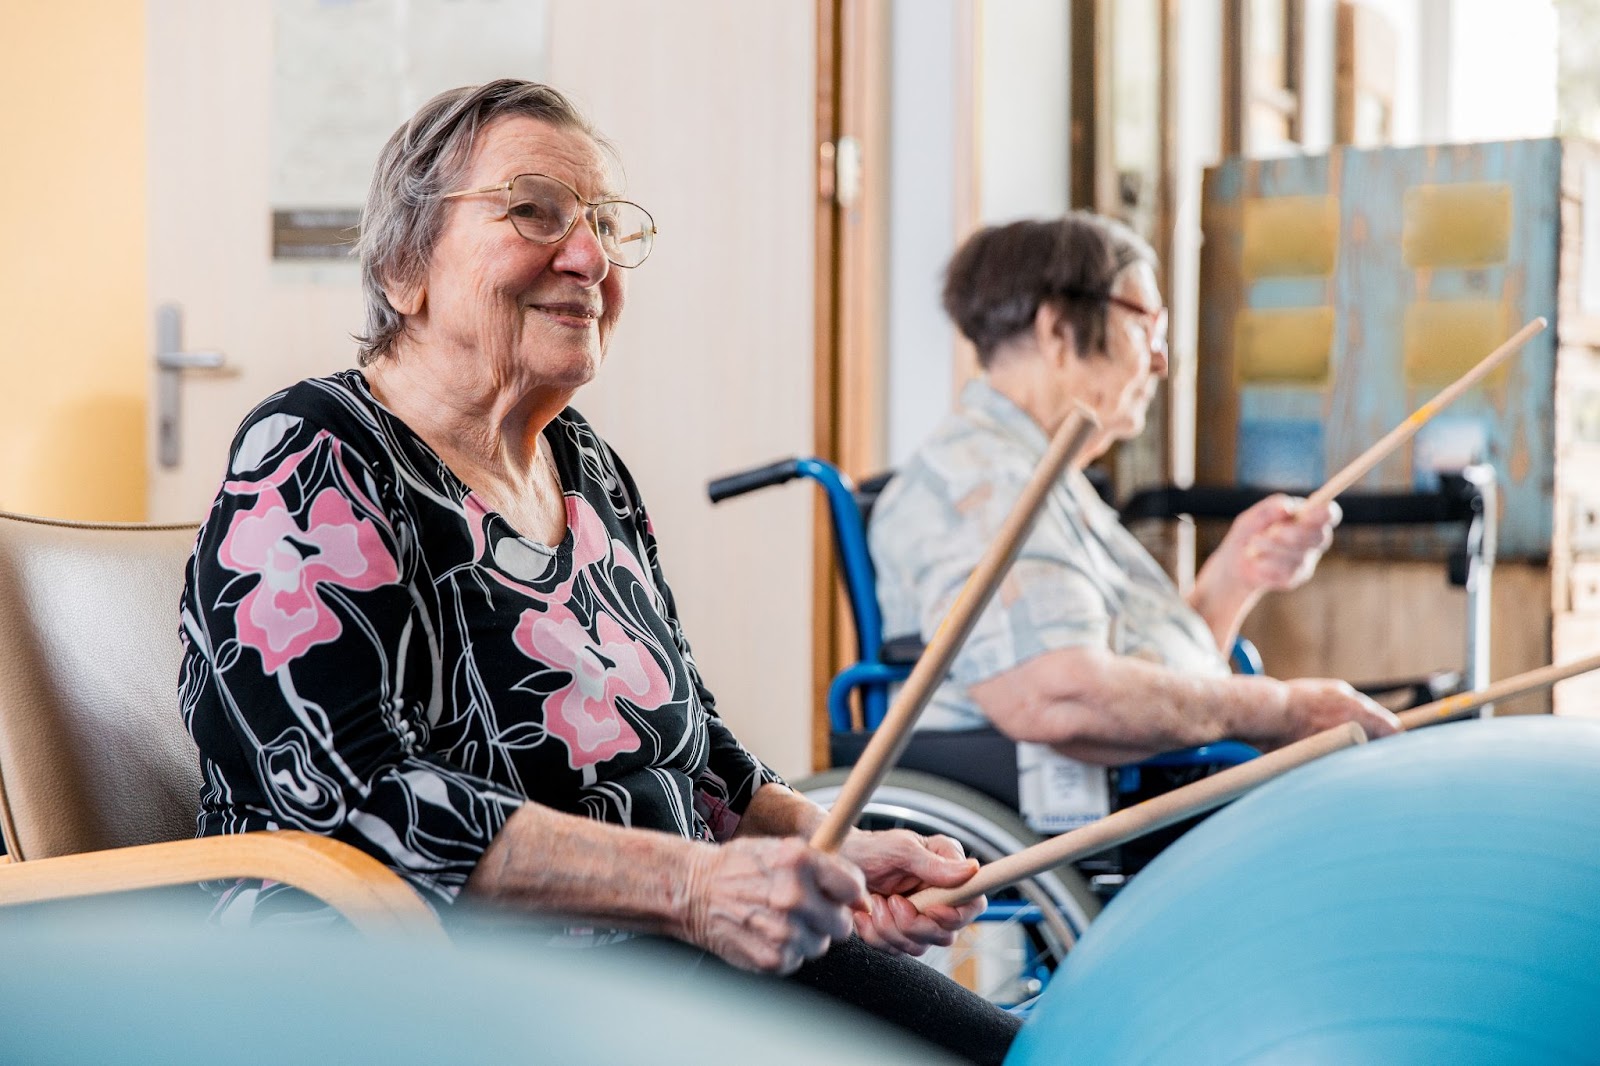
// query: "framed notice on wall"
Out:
[346,73]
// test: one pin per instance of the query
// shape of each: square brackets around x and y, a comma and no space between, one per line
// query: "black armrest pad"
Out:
[902,651]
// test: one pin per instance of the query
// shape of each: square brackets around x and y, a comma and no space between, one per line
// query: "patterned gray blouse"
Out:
[1081,578]
[372,654]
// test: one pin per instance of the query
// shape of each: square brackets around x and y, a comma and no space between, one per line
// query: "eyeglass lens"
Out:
[544,210]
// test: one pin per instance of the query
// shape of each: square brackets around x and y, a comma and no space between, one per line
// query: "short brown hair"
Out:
[997,281]
[422,161]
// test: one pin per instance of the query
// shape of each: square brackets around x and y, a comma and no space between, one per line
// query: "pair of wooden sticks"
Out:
[1068,443]
[1211,792]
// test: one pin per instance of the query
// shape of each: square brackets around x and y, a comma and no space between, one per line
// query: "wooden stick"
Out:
[1374,455]
[890,739]
[1201,796]
[1531,681]
[1129,823]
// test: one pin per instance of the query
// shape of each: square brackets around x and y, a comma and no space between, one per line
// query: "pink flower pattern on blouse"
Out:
[604,665]
[583,714]
[374,654]
[285,613]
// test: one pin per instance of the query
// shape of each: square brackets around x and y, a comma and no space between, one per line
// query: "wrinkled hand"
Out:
[897,862]
[1317,703]
[1275,545]
[769,903]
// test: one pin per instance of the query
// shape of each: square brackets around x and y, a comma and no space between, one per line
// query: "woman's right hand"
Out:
[768,903]
[1318,703]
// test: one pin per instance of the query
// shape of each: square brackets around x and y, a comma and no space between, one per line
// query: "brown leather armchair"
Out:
[99,781]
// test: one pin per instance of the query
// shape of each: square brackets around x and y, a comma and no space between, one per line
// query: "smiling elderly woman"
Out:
[425,614]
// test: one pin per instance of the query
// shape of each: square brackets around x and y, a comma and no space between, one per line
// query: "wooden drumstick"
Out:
[1374,455]
[891,737]
[1130,823]
[1531,681]
[1201,796]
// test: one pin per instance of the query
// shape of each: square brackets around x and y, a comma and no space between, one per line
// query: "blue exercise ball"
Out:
[1427,898]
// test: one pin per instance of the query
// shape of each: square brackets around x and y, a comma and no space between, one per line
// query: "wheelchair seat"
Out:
[984,760]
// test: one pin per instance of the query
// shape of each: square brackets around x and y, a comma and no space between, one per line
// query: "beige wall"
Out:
[710,105]
[72,276]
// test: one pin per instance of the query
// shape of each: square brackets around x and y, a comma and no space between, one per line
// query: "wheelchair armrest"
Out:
[905,651]
[868,676]
[1221,753]
[901,651]
[1246,658]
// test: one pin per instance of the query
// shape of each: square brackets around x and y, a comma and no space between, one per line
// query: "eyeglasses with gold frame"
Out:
[543,209]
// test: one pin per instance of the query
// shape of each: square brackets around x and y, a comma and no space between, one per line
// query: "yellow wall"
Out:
[73,308]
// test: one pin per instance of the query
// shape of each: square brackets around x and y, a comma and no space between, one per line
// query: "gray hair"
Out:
[998,279]
[424,159]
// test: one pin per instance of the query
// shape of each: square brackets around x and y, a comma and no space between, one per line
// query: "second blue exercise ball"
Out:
[1426,898]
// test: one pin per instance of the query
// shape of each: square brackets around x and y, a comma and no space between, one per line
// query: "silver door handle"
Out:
[171,362]
[189,360]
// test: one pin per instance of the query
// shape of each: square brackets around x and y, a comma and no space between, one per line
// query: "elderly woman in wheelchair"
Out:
[1089,656]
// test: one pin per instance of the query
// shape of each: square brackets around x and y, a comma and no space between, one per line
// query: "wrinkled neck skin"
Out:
[485,428]
[1038,379]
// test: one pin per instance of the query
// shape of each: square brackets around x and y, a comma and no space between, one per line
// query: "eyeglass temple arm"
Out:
[502,187]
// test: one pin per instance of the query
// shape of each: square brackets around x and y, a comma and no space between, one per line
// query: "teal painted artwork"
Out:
[1281,454]
[1347,289]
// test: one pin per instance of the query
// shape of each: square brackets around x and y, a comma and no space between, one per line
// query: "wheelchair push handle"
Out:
[759,477]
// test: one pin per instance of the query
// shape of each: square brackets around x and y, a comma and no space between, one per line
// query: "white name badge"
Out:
[1057,793]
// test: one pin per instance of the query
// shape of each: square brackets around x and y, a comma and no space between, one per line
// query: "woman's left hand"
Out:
[1275,545]
[897,862]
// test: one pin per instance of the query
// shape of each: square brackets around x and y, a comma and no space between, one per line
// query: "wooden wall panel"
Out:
[1370,620]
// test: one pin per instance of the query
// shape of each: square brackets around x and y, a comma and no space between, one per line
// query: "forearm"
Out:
[561,865]
[1222,602]
[1111,709]
[1273,545]
[778,811]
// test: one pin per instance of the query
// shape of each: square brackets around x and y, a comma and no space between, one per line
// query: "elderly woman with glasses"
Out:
[1088,654]
[425,614]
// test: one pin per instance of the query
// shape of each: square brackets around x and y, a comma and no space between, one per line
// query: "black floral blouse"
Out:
[372,654]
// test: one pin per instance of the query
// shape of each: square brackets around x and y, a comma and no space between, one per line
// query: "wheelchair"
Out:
[964,784]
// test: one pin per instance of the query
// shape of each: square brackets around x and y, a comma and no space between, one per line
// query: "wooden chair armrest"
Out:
[370,895]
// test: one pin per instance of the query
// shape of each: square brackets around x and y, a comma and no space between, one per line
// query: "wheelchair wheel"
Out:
[1007,960]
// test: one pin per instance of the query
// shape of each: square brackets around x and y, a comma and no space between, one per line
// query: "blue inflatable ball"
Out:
[1427,898]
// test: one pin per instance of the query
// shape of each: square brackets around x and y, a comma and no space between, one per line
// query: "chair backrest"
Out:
[93,751]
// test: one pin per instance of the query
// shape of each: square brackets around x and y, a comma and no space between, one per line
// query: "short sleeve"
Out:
[311,672]
[927,540]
